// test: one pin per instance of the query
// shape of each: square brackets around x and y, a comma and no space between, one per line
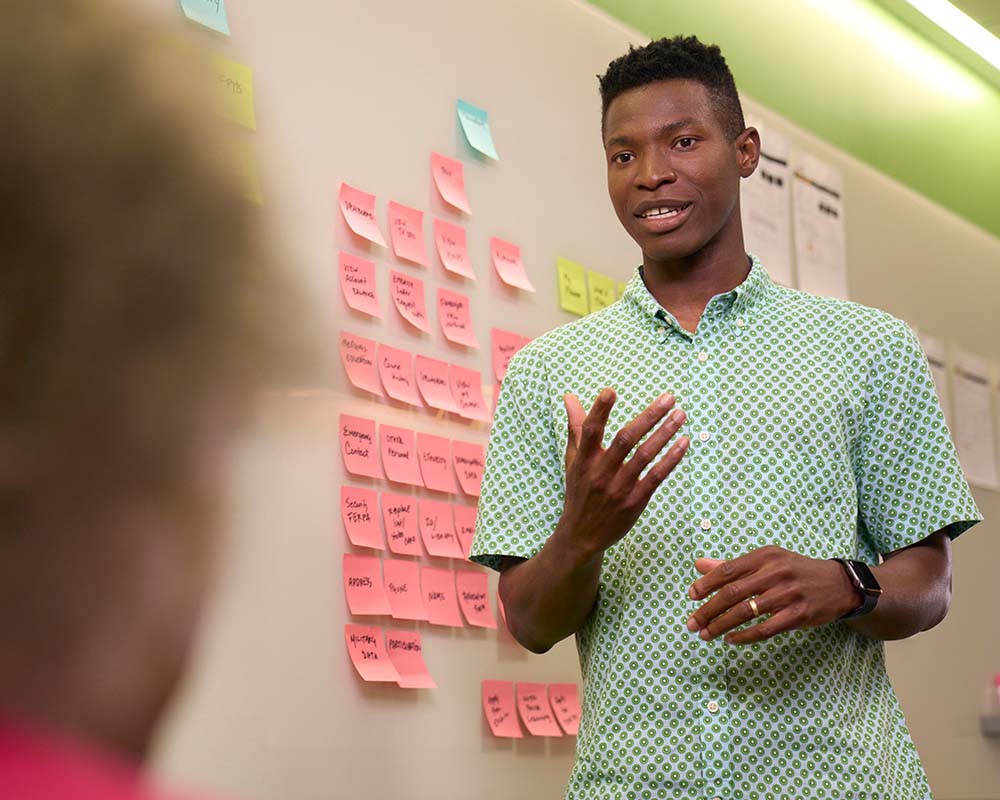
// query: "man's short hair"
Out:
[678,57]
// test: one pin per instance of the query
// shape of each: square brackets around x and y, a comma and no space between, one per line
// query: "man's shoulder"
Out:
[833,316]
[591,330]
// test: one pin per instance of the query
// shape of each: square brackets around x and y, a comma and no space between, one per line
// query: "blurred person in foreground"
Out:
[139,312]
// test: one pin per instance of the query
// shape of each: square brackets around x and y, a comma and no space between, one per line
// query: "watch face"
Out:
[866,578]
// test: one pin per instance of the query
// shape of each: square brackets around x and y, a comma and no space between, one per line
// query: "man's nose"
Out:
[654,170]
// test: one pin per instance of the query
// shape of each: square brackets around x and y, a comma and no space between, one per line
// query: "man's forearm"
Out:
[914,596]
[549,596]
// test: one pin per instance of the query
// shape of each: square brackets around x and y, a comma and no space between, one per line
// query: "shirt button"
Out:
[703,356]
[713,706]
[740,323]
[706,524]
[704,436]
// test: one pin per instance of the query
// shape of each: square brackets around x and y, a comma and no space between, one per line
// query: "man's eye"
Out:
[686,141]
[623,158]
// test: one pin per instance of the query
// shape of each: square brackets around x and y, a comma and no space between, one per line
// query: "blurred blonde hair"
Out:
[136,286]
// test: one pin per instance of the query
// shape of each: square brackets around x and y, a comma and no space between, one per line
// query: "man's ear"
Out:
[747,147]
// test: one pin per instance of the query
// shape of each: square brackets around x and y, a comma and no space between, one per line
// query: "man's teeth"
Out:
[663,212]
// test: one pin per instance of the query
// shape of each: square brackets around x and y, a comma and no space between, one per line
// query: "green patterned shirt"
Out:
[814,426]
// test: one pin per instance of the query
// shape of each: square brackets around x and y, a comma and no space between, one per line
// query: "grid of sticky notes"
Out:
[583,291]
[551,709]
[423,373]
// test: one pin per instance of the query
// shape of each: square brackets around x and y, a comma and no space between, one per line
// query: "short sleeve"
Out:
[909,480]
[523,486]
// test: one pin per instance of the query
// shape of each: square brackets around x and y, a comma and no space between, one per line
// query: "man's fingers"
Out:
[575,416]
[629,436]
[651,448]
[659,471]
[592,430]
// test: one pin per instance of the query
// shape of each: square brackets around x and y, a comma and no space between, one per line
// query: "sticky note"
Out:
[473,596]
[406,229]
[357,283]
[434,383]
[467,389]
[395,367]
[455,316]
[399,455]
[600,290]
[363,585]
[402,589]
[507,262]
[210,13]
[469,460]
[358,209]
[465,526]
[399,512]
[359,510]
[408,295]
[367,651]
[572,279]
[498,706]
[565,701]
[537,716]
[357,445]
[358,356]
[621,288]
[440,599]
[406,652]
[504,344]
[452,248]
[449,177]
[436,462]
[438,529]
[234,90]
[476,125]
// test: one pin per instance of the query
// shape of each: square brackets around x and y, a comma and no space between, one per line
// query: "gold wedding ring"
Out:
[753,607]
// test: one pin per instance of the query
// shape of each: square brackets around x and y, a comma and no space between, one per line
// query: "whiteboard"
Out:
[363,93]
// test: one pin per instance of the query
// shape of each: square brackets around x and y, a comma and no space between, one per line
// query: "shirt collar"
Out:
[739,301]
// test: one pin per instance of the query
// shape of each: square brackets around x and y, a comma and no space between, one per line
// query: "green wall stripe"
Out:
[853,74]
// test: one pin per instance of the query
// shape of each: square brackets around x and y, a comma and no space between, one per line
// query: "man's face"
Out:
[673,175]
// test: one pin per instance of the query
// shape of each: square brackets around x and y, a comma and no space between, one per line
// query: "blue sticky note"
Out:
[210,13]
[476,124]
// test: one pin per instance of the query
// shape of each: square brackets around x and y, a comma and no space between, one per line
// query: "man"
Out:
[139,311]
[815,434]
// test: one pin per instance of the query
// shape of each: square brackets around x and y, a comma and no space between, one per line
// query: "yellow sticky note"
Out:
[234,88]
[600,290]
[621,289]
[572,286]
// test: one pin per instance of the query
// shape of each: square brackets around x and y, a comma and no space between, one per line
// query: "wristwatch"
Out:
[864,581]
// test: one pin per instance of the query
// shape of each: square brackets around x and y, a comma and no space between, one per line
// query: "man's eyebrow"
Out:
[662,131]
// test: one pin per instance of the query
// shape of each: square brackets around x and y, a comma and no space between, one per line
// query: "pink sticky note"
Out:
[406,652]
[358,209]
[507,262]
[357,445]
[396,368]
[399,512]
[367,650]
[399,455]
[408,295]
[359,509]
[474,598]
[565,700]
[358,357]
[449,177]
[434,383]
[465,526]
[504,345]
[363,585]
[455,317]
[498,706]
[406,227]
[357,282]
[469,461]
[437,527]
[402,588]
[537,716]
[467,389]
[440,598]
[435,462]
[452,248]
